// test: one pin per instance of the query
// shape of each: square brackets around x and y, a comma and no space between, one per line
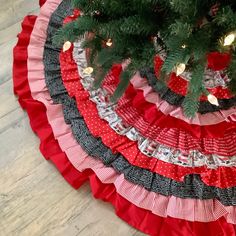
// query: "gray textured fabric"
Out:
[192,187]
[177,100]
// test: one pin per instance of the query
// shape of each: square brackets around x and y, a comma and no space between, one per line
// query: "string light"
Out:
[180,68]
[88,70]
[183,46]
[229,39]
[109,43]
[66,46]
[155,44]
[213,100]
[97,13]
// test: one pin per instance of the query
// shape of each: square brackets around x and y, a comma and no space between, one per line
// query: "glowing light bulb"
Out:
[183,46]
[66,46]
[180,68]
[88,70]
[213,100]
[229,39]
[97,12]
[109,43]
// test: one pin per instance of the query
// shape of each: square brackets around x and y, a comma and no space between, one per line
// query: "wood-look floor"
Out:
[34,198]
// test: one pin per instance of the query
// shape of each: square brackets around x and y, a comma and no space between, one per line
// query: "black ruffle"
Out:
[177,100]
[192,187]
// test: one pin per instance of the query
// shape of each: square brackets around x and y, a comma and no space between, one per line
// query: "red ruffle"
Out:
[41,2]
[218,61]
[152,115]
[173,137]
[49,147]
[180,86]
[134,109]
[222,177]
[137,217]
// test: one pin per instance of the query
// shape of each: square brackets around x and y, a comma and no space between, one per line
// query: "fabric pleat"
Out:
[59,125]
[220,177]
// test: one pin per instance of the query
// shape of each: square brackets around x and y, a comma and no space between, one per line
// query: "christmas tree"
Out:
[190,36]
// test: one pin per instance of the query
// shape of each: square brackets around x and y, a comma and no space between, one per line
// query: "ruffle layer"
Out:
[152,114]
[193,187]
[134,99]
[129,149]
[214,81]
[175,138]
[108,175]
[177,100]
[107,112]
[177,112]
[180,86]
[147,111]
[145,117]
[49,147]
[22,88]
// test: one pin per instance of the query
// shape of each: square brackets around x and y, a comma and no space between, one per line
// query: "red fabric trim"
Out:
[222,177]
[151,114]
[180,86]
[49,147]
[153,224]
[137,217]
[41,2]
[134,109]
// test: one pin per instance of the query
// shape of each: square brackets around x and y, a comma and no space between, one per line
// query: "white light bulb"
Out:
[213,100]
[66,46]
[180,68]
[109,43]
[88,70]
[229,39]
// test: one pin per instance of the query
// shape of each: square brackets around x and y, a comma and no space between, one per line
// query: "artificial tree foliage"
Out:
[185,30]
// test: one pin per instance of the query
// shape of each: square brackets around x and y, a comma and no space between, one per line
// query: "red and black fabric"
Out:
[137,217]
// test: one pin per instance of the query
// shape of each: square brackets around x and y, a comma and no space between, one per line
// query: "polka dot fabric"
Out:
[135,101]
[149,126]
[221,177]
[137,112]
[149,212]
[177,138]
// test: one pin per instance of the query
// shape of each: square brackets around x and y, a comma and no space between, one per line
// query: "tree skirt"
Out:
[163,173]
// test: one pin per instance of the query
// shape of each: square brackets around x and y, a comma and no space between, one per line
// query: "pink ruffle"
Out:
[151,125]
[175,138]
[177,112]
[163,206]
[146,115]
[222,177]
[213,139]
